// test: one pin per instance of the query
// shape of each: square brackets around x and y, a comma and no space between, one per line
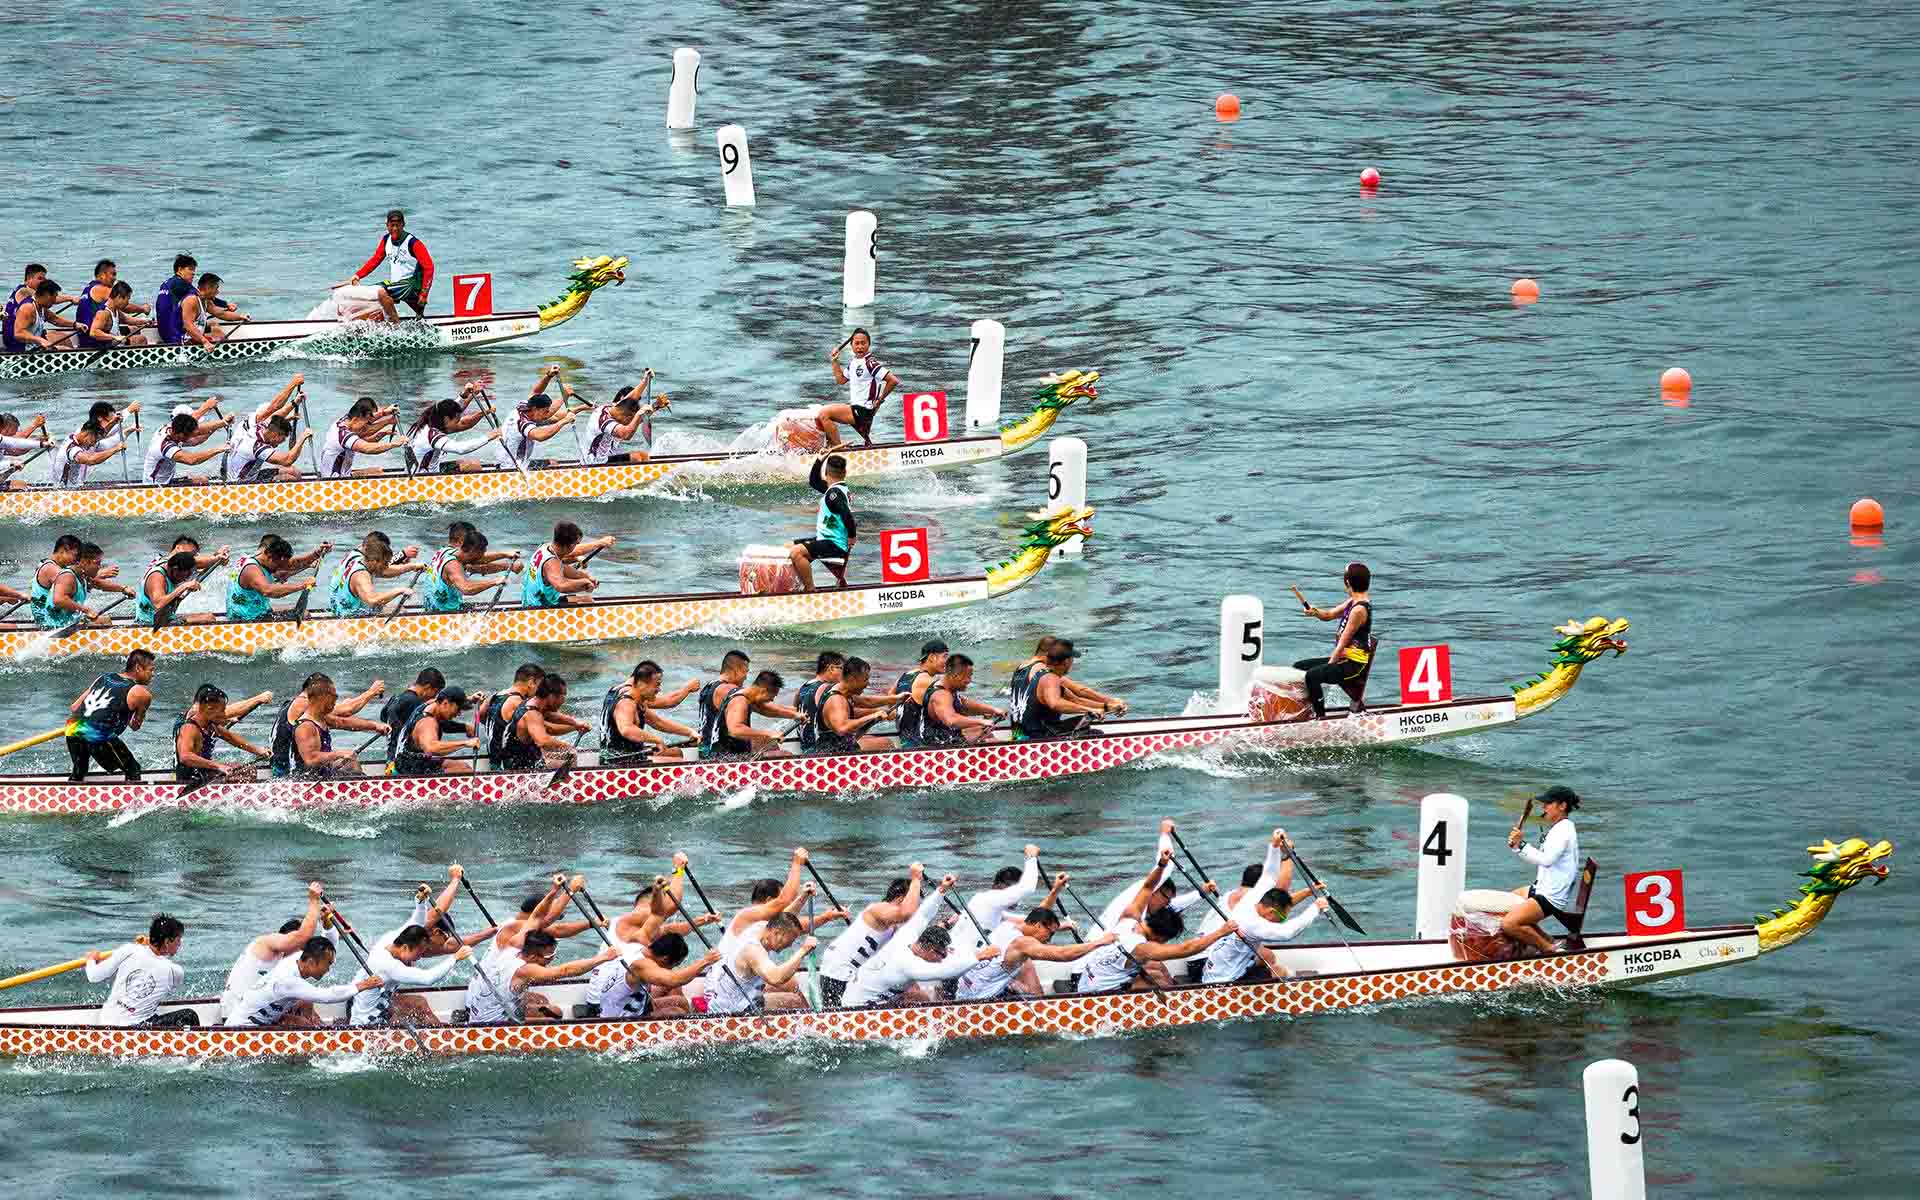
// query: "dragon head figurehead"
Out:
[1580,643]
[1055,393]
[589,275]
[1039,539]
[1836,868]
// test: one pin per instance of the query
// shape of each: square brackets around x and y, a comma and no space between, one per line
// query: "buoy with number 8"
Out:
[857,270]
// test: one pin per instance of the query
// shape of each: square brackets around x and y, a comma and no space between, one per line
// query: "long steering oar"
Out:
[42,973]
[23,744]
[163,616]
[1099,928]
[354,944]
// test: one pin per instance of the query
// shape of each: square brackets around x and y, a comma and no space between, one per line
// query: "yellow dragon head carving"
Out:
[1836,868]
[589,275]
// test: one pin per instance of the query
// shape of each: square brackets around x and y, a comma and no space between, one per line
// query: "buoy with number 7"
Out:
[986,364]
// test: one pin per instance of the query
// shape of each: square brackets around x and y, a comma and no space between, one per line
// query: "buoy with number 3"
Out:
[857,270]
[682,92]
[1616,1163]
[736,168]
[1067,485]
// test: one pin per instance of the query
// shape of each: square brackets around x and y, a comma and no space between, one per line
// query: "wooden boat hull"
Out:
[559,482]
[1122,742]
[1388,972]
[609,620]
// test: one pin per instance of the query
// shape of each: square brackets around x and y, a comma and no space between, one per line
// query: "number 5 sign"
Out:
[473,295]
[926,415]
[1426,675]
[1656,902]
[903,556]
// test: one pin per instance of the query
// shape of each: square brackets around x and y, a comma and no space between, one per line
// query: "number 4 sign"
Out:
[926,416]
[473,295]
[1426,675]
[903,556]
[1656,902]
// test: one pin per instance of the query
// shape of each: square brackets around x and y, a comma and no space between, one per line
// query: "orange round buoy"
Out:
[1369,179]
[1525,291]
[1866,513]
[1226,106]
[1675,381]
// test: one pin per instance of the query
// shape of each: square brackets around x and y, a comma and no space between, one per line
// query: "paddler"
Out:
[29,323]
[536,420]
[1069,700]
[395,957]
[622,423]
[30,280]
[17,441]
[493,561]
[266,952]
[868,383]
[172,449]
[529,735]
[144,975]
[767,899]
[933,665]
[733,734]
[360,431]
[343,717]
[85,448]
[111,705]
[628,710]
[258,446]
[919,954]
[422,750]
[351,593]
[448,580]
[552,579]
[1556,884]
[514,977]
[258,578]
[754,981]
[867,934]
[1352,648]
[307,736]
[408,268]
[845,712]
[430,440]
[276,1001]
[1019,945]
[57,570]
[202,310]
[398,707]
[208,717]
[1143,944]
[1011,885]
[497,711]
[625,989]
[1275,865]
[829,668]
[174,292]
[111,323]
[1159,890]
[97,296]
[1262,913]
[948,718]
[833,525]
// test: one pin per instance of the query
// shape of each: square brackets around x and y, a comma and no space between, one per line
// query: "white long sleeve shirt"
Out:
[283,988]
[1269,873]
[1559,861]
[1118,904]
[141,981]
[989,908]
[855,945]
[897,967]
[1231,957]
[375,1005]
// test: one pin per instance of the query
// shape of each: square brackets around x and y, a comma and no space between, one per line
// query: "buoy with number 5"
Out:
[857,271]
[682,91]
[736,168]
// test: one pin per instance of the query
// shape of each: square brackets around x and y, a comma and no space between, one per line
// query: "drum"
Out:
[1474,932]
[795,433]
[767,571]
[1279,694]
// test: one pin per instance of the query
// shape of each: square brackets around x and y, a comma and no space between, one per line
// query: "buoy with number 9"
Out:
[736,168]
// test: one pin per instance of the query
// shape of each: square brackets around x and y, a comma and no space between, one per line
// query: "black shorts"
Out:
[863,419]
[821,550]
[832,991]
[1546,905]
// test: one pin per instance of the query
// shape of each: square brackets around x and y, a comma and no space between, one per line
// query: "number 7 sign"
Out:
[473,295]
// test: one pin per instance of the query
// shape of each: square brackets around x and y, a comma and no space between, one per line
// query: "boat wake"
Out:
[358,340]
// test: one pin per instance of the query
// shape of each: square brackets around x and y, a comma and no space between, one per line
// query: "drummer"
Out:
[1556,883]
[833,527]
[406,263]
[1352,648]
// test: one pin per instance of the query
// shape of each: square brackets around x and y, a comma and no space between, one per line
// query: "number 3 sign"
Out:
[1656,902]
[903,556]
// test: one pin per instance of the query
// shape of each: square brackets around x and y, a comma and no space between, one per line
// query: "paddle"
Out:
[1199,885]
[1313,881]
[299,613]
[312,444]
[1098,928]
[35,740]
[593,917]
[163,616]
[700,892]
[824,889]
[1304,606]
[66,631]
[682,914]
[14,468]
[478,902]
[573,759]
[398,607]
[358,948]
[42,973]
[475,960]
[960,906]
[773,745]
[813,962]
[494,416]
[126,458]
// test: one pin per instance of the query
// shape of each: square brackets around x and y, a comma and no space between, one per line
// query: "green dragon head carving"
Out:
[589,275]
[1580,643]
[1835,869]
[1058,391]
[1049,530]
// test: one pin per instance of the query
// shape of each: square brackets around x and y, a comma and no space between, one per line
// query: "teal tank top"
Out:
[828,526]
[40,600]
[143,610]
[340,597]
[243,603]
[535,591]
[437,595]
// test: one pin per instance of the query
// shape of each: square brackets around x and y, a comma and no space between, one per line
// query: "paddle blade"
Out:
[1346,918]
[299,613]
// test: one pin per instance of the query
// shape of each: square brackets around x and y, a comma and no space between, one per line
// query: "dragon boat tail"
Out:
[258,339]
[1321,978]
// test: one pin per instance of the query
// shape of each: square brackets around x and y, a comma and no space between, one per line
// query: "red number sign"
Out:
[473,295]
[1426,675]
[926,416]
[903,556]
[1656,902]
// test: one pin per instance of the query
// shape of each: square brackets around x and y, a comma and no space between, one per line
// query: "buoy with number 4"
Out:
[857,270]
[736,168]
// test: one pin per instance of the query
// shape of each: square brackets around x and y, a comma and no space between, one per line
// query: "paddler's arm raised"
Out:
[348,708]
[300,562]
[236,711]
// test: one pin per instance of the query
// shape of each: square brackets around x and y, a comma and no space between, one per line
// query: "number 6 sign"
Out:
[904,557]
[926,415]
[1426,675]
[1656,902]
[473,295]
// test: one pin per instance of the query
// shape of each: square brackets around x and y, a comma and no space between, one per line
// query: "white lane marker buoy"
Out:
[986,360]
[1441,859]
[856,290]
[681,93]
[1067,485]
[736,169]
[1242,640]
[1616,1164]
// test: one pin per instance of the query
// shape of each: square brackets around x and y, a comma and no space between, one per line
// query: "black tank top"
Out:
[826,741]
[306,769]
[711,725]
[104,711]
[410,759]
[1363,639]
[809,701]
[911,723]
[725,745]
[493,727]
[613,743]
[181,772]
[516,754]
[934,731]
[281,747]
[1037,720]
[1020,692]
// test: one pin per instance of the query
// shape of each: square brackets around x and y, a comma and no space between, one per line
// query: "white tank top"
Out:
[858,943]
[1108,969]
[864,378]
[246,451]
[159,462]
[601,445]
[426,447]
[515,446]
[74,473]
[483,1002]
[991,977]
[247,972]
[400,264]
[336,459]
[609,989]
[722,995]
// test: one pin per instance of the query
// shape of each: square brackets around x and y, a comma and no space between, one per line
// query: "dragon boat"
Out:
[610,619]
[559,481]
[258,339]
[1321,978]
[1111,744]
